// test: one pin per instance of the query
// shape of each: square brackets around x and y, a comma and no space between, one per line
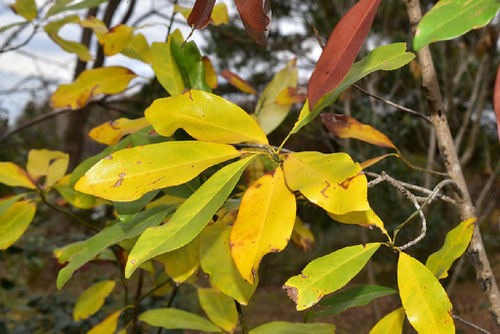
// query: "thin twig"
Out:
[470,324]
[392,104]
[20,45]
[137,302]
[243,324]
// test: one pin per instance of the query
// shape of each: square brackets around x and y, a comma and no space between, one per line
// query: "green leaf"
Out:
[171,318]
[205,117]
[180,264]
[384,58]
[331,181]
[216,261]
[425,301]
[128,174]
[14,221]
[452,18]
[92,299]
[391,323]
[138,48]
[62,6]
[25,8]
[455,244]
[128,210]
[220,308]
[283,327]
[188,58]
[165,67]
[191,217]
[85,251]
[353,297]
[328,274]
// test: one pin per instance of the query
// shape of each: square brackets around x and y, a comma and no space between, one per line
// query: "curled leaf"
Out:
[238,82]
[256,18]
[111,132]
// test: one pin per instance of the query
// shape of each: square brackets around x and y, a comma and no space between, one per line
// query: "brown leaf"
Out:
[347,127]
[341,49]
[238,82]
[201,13]
[496,101]
[256,18]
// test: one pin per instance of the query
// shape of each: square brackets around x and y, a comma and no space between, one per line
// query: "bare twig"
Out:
[23,43]
[392,104]
[243,324]
[470,324]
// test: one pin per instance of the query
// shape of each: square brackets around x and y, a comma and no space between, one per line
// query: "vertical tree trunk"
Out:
[476,251]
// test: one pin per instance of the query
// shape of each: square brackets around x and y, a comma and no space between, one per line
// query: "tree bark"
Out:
[476,251]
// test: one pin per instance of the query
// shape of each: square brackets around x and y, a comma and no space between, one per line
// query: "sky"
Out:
[42,58]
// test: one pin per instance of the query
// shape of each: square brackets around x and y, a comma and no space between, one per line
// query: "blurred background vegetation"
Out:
[29,300]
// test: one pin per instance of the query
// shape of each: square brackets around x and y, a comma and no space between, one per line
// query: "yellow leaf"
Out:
[181,263]
[373,161]
[269,113]
[104,80]
[219,14]
[108,325]
[96,25]
[210,75]
[302,236]
[455,244]
[49,164]
[111,132]
[220,308]
[206,117]
[344,126]
[332,181]
[25,8]
[138,48]
[52,29]
[391,323]
[264,223]
[365,218]
[92,299]
[425,301]
[238,82]
[166,68]
[184,11]
[291,95]
[15,221]
[116,39]
[14,176]
[128,174]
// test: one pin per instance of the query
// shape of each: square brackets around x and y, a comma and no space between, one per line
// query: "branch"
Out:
[470,324]
[26,41]
[392,104]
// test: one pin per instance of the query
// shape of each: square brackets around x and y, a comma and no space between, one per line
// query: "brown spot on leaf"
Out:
[120,180]
[258,185]
[139,162]
[292,292]
[325,189]
[109,157]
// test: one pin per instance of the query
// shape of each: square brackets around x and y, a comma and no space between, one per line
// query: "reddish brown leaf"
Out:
[238,82]
[256,18]
[201,13]
[496,100]
[347,127]
[341,50]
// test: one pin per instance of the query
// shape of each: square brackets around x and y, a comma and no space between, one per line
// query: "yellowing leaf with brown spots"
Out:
[104,80]
[328,274]
[49,164]
[25,8]
[344,126]
[291,95]
[206,117]
[92,299]
[365,218]
[52,29]
[238,82]
[111,132]
[425,301]
[14,221]
[116,39]
[264,223]
[14,176]
[332,181]
[128,174]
